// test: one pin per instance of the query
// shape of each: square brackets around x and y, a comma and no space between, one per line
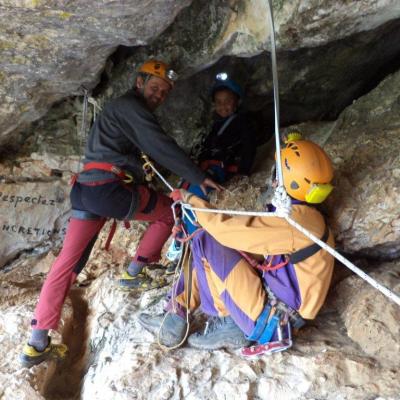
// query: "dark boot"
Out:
[173,327]
[220,332]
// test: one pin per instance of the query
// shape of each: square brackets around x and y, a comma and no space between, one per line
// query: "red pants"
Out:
[78,243]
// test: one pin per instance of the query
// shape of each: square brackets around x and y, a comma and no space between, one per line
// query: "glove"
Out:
[180,195]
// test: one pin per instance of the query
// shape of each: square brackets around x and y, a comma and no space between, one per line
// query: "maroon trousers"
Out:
[78,243]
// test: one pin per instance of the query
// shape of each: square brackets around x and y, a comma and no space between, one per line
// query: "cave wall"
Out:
[340,82]
[50,50]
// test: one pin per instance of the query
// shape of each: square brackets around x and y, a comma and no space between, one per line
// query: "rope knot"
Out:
[282,202]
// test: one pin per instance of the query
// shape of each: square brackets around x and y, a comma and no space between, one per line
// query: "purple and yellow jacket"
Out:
[302,286]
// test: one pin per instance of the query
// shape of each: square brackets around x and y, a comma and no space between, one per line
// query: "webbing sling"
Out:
[306,252]
[226,124]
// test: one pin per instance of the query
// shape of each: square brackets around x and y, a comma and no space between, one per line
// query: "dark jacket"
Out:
[235,145]
[124,129]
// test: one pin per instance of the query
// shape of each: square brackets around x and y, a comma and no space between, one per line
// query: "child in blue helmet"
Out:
[231,144]
[229,148]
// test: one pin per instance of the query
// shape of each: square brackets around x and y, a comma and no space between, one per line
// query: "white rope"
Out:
[276,96]
[230,212]
[282,202]
[392,296]
[166,183]
[389,294]
[177,276]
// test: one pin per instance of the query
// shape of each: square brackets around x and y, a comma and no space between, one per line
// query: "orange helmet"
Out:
[159,69]
[307,171]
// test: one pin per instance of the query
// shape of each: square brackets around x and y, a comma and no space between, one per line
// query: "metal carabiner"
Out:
[128,178]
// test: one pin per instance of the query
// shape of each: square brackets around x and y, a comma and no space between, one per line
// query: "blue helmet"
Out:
[222,81]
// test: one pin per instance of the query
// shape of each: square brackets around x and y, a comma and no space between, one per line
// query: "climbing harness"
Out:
[147,169]
[125,176]
[149,165]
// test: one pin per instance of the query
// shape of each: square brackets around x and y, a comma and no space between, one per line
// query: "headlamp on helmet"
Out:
[159,69]
[172,75]
[222,81]
[221,76]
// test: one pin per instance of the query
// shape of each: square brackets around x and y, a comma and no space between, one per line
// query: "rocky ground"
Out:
[351,351]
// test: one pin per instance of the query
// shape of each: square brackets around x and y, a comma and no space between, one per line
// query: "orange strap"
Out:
[105,167]
[187,238]
[263,267]
[270,267]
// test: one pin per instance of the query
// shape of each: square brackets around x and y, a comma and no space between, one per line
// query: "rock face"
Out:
[49,49]
[31,214]
[337,356]
[328,53]
[370,320]
[52,50]
[364,144]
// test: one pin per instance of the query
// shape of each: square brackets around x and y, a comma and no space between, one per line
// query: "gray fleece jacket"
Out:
[124,129]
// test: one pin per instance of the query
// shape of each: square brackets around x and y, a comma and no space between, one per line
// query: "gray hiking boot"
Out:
[220,332]
[173,329]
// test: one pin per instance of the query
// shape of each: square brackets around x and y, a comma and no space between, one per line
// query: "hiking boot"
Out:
[139,282]
[220,332]
[30,356]
[173,327]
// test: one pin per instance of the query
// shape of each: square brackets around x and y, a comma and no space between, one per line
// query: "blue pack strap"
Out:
[85,215]
[261,322]
[269,330]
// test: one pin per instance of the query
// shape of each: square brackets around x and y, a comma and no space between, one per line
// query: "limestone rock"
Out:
[49,52]
[371,319]
[126,362]
[364,146]
[31,215]
[114,357]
